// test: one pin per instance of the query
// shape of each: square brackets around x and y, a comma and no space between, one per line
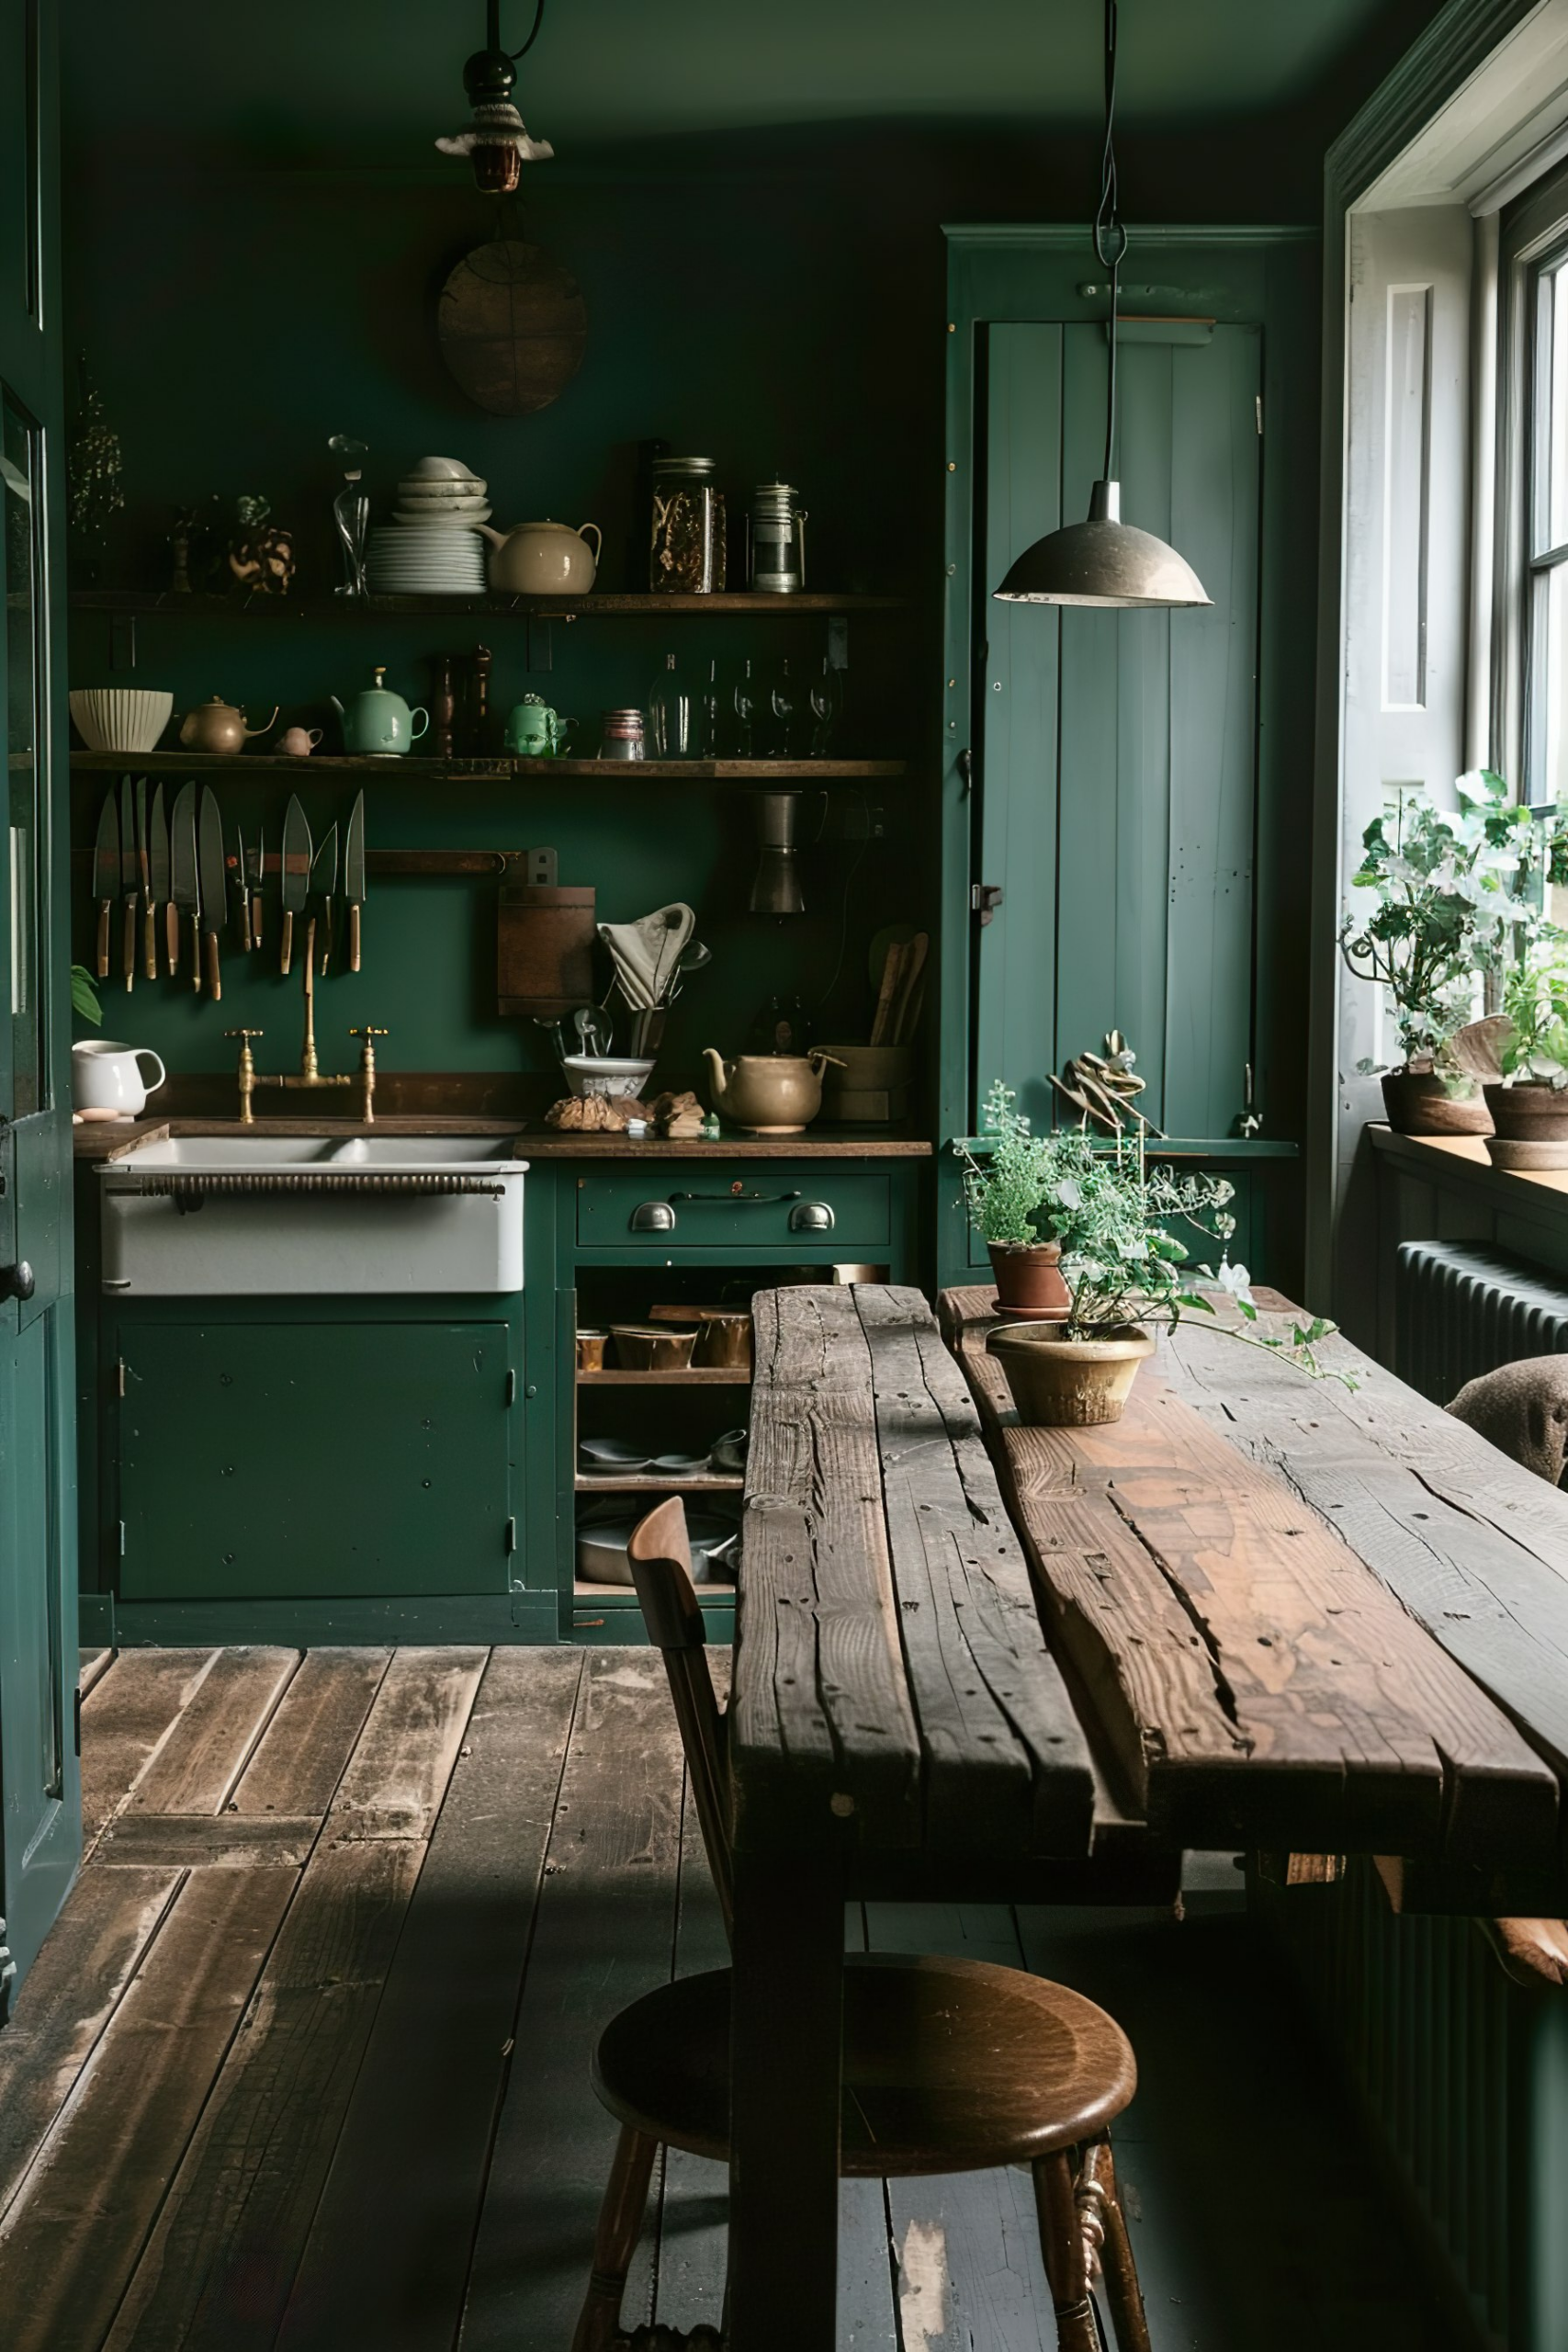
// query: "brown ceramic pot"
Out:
[1530,1122]
[1069,1384]
[1029,1281]
[1418,1104]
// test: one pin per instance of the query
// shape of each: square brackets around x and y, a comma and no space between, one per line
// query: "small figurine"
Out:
[260,559]
[1102,1086]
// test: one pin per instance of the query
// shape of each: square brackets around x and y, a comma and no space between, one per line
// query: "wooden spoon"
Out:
[892,972]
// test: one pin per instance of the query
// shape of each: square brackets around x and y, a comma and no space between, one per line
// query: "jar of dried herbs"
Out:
[686,544]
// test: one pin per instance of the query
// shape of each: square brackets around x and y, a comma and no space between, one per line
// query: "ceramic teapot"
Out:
[774,1094]
[220,726]
[534,731]
[380,722]
[543,558]
[106,1076]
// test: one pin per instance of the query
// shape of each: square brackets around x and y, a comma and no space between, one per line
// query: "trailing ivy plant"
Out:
[1455,893]
[1120,1261]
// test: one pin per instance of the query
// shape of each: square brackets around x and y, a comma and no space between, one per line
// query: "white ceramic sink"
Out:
[206,1217]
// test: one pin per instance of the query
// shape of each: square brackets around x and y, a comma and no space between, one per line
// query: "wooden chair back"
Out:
[661,1560]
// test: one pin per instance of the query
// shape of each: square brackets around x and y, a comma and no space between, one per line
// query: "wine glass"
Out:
[826,709]
[784,706]
[745,714]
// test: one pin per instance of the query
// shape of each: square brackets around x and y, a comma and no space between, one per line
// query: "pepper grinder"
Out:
[444,710]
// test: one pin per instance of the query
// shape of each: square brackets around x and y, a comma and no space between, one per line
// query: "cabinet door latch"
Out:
[984,898]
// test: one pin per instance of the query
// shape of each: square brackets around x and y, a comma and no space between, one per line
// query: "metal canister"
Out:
[620,735]
[686,553]
[775,541]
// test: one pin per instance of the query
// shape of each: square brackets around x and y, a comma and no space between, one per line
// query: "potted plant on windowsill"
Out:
[1124,1274]
[1527,1097]
[1448,886]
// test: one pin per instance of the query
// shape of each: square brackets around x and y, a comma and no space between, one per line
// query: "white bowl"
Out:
[120,718]
[441,469]
[440,494]
[602,1074]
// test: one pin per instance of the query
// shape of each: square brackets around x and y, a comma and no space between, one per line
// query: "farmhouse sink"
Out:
[258,1215]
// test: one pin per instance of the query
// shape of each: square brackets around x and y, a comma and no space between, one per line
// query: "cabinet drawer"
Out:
[708,1208]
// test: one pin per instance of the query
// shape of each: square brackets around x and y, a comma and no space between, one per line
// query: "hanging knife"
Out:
[214,886]
[323,886]
[234,869]
[295,873]
[354,878]
[254,870]
[182,866]
[158,881]
[144,875]
[105,878]
[130,874]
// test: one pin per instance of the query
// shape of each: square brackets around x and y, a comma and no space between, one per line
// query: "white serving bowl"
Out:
[602,1074]
[120,718]
[440,469]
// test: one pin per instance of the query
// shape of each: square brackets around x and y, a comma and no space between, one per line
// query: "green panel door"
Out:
[1119,756]
[325,1460]
[40,1808]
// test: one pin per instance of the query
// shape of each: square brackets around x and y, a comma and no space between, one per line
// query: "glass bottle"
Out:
[669,714]
[707,718]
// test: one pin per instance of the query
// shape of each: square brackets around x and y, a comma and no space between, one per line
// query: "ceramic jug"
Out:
[298,742]
[218,726]
[380,722]
[534,731]
[543,559]
[773,1094]
[106,1076]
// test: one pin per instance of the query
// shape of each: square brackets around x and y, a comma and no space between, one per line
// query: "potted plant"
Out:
[1449,889]
[1010,1190]
[1124,1273]
[1528,1099]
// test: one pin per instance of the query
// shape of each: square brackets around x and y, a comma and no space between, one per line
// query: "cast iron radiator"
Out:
[1460,1311]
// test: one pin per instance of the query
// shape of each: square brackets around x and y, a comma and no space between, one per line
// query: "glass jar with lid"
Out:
[686,535]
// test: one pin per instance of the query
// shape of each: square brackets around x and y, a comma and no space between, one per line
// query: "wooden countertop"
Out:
[99,1139]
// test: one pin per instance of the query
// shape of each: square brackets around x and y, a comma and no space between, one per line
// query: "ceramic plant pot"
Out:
[1069,1384]
[1030,1283]
[1418,1102]
[1531,1126]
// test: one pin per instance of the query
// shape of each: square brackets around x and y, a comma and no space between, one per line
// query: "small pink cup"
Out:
[298,742]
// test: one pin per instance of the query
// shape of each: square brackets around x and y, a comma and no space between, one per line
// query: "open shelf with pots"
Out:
[610,606]
[387,769]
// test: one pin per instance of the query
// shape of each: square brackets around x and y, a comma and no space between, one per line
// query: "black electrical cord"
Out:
[539,21]
[492,22]
[1110,236]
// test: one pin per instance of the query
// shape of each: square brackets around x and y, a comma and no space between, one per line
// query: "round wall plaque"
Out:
[513,325]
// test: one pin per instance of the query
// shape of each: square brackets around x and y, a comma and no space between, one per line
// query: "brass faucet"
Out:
[310,1074]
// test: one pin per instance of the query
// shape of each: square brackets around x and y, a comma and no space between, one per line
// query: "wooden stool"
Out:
[949,2066]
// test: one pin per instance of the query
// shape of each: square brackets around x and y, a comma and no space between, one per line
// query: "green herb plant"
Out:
[1454,892]
[1122,1264]
[84,996]
[1534,1049]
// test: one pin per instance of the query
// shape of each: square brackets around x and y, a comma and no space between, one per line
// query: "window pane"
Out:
[1556,434]
[19,553]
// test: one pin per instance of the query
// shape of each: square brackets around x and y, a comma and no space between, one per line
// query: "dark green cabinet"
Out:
[736,1206]
[322,1460]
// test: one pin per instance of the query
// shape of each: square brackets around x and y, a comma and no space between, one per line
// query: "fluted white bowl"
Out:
[120,718]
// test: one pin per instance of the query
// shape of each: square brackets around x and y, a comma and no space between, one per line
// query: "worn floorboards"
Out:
[303,2065]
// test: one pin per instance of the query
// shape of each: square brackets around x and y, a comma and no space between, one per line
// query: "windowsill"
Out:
[1462,1161]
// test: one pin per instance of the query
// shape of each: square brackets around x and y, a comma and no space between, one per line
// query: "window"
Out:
[1546,503]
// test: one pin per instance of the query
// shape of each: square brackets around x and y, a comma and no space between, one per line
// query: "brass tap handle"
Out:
[368,1071]
[247,1073]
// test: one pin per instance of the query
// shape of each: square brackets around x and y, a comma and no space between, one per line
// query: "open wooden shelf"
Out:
[704,1482]
[197,606]
[336,767]
[702,1375]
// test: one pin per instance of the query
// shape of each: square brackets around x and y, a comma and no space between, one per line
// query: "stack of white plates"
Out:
[431,548]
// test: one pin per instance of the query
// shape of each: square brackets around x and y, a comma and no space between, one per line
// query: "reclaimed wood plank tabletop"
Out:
[973,1653]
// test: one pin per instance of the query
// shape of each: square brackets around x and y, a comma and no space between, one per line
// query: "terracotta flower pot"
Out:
[1029,1281]
[1531,1124]
[1069,1384]
[1418,1102]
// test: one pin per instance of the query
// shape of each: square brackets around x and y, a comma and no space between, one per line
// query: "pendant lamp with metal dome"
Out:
[1104,560]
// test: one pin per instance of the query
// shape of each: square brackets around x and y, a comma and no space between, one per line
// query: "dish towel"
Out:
[645,953]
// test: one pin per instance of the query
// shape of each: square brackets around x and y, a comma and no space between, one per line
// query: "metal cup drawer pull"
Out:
[807,1216]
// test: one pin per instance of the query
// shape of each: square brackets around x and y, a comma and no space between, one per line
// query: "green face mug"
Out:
[532,731]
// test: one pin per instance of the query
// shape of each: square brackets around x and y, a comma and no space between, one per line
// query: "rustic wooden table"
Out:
[979,1660]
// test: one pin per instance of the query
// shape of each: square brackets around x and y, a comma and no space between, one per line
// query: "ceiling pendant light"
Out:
[1104,560]
[495,139]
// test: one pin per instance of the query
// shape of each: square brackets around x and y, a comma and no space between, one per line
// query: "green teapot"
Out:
[380,721]
[534,731]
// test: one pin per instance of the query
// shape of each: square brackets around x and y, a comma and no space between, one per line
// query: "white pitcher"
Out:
[107,1076]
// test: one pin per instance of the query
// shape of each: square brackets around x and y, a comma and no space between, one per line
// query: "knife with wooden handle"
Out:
[144,875]
[158,877]
[182,867]
[214,887]
[130,878]
[354,877]
[105,878]
[296,876]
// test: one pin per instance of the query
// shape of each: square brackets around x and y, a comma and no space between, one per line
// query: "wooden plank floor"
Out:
[304,2062]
